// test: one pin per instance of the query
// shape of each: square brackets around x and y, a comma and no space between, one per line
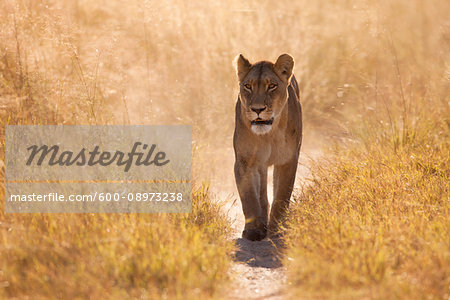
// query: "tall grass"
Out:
[170,62]
[373,222]
[93,63]
[115,256]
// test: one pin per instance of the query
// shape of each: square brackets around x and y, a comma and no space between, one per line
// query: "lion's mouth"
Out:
[260,121]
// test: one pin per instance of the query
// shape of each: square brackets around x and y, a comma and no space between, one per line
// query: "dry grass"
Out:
[89,63]
[374,220]
[375,223]
[373,74]
[115,256]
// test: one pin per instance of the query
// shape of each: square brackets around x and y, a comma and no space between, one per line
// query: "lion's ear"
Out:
[284,66]
[242,66]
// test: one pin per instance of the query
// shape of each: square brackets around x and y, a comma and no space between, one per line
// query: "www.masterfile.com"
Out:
[102,197]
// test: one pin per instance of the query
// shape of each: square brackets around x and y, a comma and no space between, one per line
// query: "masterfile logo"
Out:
[98,168]
[85,157]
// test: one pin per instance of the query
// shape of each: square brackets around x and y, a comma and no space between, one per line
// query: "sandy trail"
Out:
[257,268]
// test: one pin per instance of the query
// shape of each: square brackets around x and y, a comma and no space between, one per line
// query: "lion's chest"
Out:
[276,151]
[281,151]
[266,150]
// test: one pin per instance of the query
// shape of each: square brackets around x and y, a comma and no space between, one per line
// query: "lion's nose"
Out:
[258,110]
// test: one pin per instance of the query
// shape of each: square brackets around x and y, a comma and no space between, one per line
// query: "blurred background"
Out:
[171,62]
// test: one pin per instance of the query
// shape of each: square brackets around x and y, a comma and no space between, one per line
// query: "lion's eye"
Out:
[272,86]
[248,86]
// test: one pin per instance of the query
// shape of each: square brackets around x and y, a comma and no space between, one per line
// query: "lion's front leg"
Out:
[283,184]
[263,201]
[248,181]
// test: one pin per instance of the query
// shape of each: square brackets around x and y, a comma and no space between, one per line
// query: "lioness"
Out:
[268,132]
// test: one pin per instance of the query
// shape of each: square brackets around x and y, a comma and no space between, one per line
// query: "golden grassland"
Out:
[99,256]
[373,222]
[374,78]
[98,63]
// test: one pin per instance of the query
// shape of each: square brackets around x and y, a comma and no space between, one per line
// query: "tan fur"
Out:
[261,145]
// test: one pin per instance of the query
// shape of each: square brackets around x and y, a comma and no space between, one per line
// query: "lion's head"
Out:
[263,90]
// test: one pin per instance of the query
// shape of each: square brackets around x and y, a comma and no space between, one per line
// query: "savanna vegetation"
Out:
[115,256]
[372,221]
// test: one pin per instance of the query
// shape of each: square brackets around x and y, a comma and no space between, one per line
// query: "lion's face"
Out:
[263,90]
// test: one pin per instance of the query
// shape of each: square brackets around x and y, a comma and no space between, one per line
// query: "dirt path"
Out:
[257,269]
